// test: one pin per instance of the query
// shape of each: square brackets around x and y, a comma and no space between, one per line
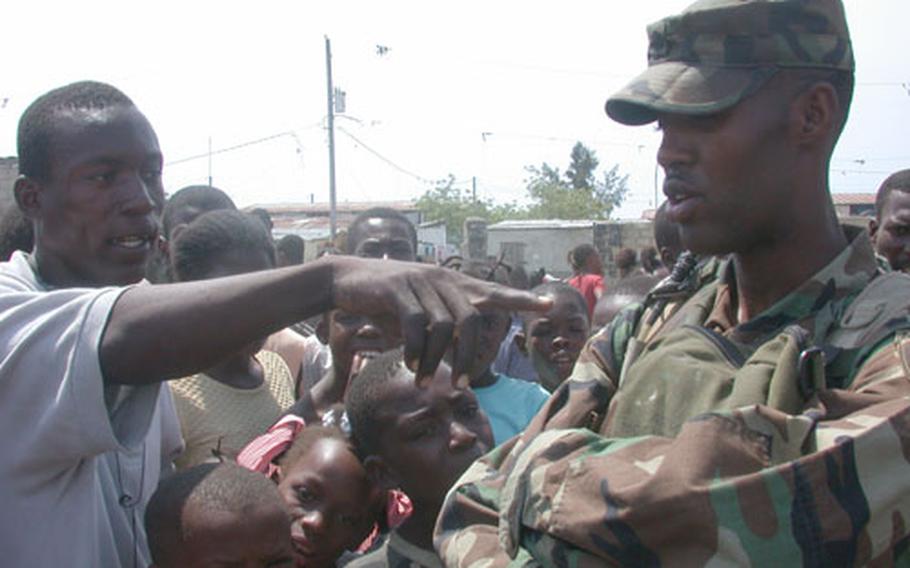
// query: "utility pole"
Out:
[474,189]
[210,161]
[333,213]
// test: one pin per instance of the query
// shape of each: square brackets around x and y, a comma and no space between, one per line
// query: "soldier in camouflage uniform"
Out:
[754,411]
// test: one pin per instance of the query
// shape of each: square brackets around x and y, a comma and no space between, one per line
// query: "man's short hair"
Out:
[379,213]
[366,395]
[898,181]
[203,197]
[292,247]
[198,249]
[211,487]
[36,127]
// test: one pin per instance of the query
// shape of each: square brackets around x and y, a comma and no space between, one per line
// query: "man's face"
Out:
[259,538]
[330,500]
[431,434]
[555,340]
[891,234]
[98,211]
[728,174]
[378,237]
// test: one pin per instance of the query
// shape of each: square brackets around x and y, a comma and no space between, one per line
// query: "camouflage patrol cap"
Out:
[717,52]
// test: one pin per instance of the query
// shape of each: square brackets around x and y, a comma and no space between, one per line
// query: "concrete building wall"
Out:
[548,247]
[9,171]
[541,248]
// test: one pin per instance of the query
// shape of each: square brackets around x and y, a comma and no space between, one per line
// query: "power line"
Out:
[229,148]
[384,159]
[291,133]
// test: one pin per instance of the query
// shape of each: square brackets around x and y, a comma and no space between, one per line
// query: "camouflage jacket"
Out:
[828,484]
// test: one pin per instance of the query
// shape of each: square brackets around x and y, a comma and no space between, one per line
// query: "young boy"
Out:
[509,403]
[238,397]
[350,339]
[553,339]
[218,514]
[419,439]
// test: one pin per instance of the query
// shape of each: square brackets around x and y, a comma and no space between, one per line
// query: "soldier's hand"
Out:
[428,307]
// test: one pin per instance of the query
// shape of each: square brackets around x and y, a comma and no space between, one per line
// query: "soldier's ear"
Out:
[27,192]
[873,229]
[815,114]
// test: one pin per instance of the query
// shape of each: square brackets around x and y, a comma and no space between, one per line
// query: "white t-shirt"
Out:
[78,459]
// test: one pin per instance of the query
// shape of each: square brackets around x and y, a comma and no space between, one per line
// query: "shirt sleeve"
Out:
[52,393]
[751,486]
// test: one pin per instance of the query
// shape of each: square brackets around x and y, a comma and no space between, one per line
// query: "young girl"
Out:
[238,398]
[589,274]
[333,505]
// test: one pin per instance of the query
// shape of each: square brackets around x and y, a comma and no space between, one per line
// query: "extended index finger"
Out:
[512,300]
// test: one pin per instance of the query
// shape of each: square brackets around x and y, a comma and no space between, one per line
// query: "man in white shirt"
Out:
[86,426]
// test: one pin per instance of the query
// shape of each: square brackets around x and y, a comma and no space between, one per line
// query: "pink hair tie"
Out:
[398,508]
[258,454]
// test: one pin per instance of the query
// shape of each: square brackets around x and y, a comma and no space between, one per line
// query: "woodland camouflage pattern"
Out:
[825,485]
[717,52]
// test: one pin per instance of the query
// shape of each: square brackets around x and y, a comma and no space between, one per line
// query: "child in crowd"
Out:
[589,273]
[419,439]
[890,228]
[379,232]
[554,339]
[218,515]
[238,398]
[333,505]
[184,207]
[509,403]
[351,339]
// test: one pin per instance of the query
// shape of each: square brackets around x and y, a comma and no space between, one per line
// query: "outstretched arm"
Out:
[161,332]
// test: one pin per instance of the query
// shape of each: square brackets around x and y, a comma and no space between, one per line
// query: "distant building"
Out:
[432,244]
[854,204]
[536,244]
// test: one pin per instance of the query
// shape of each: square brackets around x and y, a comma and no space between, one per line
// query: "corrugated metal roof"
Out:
[342,207]
[540,224]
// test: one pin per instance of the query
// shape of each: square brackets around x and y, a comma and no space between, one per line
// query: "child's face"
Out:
[330,500]
[493,329]
[379,237]
[555,339]
[431,434]
[351,334]
[258,538]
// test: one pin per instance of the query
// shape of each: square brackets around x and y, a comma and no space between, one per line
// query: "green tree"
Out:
[577,194]
[453,205]
[581,170]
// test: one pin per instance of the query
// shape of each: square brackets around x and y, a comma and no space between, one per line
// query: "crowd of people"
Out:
[179,389]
